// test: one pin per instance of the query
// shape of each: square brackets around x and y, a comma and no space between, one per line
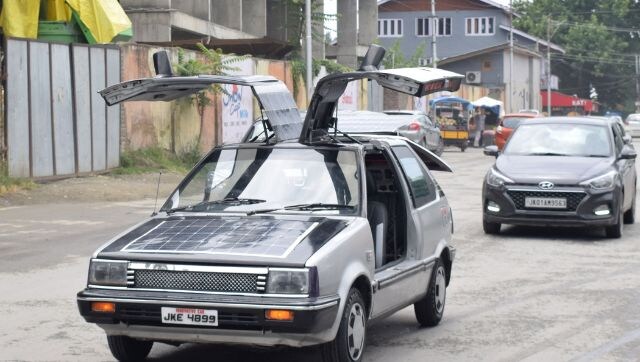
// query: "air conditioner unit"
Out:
[425,62]
[473,77]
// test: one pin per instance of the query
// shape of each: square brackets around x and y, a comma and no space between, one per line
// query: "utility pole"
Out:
[637,83]
[549,66]
[434,23]
[510,56]
[308,46]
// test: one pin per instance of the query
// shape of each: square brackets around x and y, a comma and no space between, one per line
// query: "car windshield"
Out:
[512,122]
[267,179]
[554,139]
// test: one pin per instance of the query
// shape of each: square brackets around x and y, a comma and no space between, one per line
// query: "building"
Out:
[472,38]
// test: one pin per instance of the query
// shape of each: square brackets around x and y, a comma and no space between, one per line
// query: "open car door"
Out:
[273,96]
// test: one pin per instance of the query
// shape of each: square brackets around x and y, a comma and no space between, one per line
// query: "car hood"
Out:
[234,240]
[556,169]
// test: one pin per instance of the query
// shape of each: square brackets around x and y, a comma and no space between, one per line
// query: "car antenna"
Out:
[154,213]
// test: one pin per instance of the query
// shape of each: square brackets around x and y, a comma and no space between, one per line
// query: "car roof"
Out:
[524,115]
[590,120]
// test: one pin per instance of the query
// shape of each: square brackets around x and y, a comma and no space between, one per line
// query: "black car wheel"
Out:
[440,148]
[491,227]
[430,308]
[615,231]
[128,349]
[348,346]
[630,215]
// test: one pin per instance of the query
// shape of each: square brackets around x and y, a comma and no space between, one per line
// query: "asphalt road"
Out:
[529,294]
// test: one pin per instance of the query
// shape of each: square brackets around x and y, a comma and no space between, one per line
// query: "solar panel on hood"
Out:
[260,237]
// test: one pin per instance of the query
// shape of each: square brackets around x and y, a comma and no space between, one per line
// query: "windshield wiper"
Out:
[548,154]
[318,205]
[228,200]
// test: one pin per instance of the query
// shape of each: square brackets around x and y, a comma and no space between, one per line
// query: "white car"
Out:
[632,124]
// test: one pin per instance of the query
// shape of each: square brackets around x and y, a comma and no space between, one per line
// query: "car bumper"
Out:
[581,206]
[241,319]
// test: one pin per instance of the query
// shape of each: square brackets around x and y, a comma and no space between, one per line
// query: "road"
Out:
[528,294]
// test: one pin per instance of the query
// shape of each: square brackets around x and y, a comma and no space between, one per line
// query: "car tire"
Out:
[440,148]
[127,349]
[492,228]
[615,231]
[630,215]
[430,309]
[348,346]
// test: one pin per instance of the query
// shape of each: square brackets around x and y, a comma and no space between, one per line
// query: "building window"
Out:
[423,26]
[390,27]
[480,26]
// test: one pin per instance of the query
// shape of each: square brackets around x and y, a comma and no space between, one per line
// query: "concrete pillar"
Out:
[197,9]
[151,26]
[317,46]
[347,33]
[368,22]
[254,17]
[145,4]
[227,13]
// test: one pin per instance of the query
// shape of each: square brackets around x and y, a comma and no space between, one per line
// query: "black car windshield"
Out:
[557,139]
[267,179]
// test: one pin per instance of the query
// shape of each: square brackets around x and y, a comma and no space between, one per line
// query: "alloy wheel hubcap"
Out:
[355,331]
[441,289]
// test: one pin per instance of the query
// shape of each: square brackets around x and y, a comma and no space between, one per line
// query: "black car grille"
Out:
[199,281]
[573,198]
[150,315]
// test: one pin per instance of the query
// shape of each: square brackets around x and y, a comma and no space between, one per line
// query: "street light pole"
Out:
[308,46]
[549,66]
[510,56]
[434,24]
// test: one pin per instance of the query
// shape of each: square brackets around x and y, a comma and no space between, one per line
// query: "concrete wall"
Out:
[526,81]
[490,65]
[455,44]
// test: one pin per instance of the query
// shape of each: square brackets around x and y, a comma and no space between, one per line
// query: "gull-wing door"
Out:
[413,81]
[274,97]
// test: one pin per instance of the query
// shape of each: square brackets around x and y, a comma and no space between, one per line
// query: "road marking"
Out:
[608,347]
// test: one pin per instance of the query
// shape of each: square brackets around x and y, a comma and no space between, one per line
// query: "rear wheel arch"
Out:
[445,256]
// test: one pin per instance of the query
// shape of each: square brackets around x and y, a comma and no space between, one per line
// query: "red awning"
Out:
[564,100]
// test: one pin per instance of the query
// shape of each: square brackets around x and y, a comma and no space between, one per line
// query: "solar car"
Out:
[297,239]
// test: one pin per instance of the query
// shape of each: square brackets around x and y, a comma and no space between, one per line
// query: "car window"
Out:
[423,189]
[617,139]
[512,122]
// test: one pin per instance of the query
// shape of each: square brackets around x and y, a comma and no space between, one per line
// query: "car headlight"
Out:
[288,281]
[496,179]
[108,272]
[602,182]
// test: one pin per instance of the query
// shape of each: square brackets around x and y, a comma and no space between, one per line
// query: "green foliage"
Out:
[154,159]
[394,58]
[10,184]
[598,49]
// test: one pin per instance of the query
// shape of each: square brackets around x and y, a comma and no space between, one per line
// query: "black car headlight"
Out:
[288,281]
[108,272]
[602,182]
[496,179]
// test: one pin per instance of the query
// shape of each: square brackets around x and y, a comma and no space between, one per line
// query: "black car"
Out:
[562,171]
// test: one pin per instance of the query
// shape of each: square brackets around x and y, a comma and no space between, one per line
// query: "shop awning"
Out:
[562,100]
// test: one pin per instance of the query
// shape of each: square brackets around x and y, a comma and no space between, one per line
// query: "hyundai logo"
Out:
[546,185]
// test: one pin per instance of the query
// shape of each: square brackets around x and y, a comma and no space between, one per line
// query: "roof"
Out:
[534,38]
[565,100]
[483,51]
[490,3]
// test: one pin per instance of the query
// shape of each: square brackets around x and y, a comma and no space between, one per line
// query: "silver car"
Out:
[632,124]
[299,239]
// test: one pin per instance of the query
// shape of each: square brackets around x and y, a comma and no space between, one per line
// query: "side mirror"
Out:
[372,59]
[162,64]
[491,151]
[627,153]
[627,139]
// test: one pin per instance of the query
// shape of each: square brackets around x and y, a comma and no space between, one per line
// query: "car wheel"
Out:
[615,231]
[128,349]
[630,215]
[440,148]
[430,308]
[348,346]
[491,227]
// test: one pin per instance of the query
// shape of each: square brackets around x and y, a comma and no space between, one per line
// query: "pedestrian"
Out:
[479,119]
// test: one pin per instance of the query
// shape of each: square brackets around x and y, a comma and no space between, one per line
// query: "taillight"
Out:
[414,126]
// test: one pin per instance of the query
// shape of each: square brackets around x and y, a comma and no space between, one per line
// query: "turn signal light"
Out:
[279,315]
[104,307]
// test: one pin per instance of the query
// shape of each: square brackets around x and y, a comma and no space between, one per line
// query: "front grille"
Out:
[199,281]
[150,315]
[573,198]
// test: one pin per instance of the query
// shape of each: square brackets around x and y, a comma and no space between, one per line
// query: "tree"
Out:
[599,49]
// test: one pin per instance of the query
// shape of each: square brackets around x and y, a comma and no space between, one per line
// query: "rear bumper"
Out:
[241,319]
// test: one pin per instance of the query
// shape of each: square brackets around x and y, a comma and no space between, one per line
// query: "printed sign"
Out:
[237,105]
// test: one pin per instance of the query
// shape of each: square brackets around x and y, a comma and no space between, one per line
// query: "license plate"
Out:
[192,316]
[545,202]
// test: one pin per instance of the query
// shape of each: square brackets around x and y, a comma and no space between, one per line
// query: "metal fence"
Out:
[56,122]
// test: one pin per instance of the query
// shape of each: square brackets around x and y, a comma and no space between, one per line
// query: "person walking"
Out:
[479,119]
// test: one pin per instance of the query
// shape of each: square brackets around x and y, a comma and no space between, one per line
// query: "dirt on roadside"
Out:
[95,189]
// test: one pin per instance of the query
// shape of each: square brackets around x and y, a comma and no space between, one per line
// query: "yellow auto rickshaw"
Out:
[452,115]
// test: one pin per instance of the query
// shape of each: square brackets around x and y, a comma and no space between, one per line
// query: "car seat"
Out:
[378,220]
